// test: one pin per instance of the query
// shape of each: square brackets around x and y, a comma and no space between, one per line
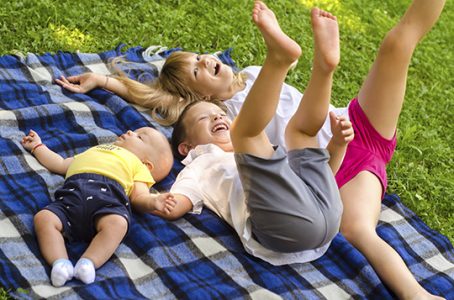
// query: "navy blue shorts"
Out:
[83,198]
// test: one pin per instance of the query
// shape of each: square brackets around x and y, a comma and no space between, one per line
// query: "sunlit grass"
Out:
[346,17]
[69,38]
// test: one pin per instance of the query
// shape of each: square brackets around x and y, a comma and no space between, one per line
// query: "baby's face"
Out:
[140,141]
[207,123]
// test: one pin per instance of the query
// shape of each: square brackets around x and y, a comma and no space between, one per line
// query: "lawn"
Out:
[421,170]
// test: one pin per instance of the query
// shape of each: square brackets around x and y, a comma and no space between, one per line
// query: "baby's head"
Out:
[201,123]
[196,77]
[151,147]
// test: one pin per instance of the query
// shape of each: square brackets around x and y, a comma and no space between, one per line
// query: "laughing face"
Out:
[209,77]
[206,123]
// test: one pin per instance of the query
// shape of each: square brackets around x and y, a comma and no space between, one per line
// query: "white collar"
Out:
[200,150]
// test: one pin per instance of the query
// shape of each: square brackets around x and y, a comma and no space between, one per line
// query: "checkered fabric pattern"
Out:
[196,257]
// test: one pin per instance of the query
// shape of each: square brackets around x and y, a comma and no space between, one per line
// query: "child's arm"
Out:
[182,206]
[143,201]
[49,159]
[86,82]
[342,134]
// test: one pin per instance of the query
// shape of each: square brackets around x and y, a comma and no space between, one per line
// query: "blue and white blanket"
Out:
[196,257]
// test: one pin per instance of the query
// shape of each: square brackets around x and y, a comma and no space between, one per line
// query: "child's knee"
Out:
[356,232]
[398,42]
[112,222]
[296,139]
[46,219]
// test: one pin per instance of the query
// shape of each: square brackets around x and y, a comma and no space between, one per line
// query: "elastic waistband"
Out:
[94,177]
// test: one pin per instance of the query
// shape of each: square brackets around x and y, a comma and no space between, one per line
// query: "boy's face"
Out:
[140,141]
[206,123]
[209,77]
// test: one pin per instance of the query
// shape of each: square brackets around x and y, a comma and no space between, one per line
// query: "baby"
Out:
[94,203]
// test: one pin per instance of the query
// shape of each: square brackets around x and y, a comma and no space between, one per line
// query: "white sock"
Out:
[62,271]
[85,270]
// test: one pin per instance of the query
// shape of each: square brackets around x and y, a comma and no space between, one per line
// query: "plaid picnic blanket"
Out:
[196,257]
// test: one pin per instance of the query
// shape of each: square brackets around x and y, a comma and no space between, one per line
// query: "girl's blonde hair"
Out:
[167,95]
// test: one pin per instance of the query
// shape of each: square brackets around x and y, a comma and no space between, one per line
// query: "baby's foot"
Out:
[62,271]
[281,47]
[326,39]
[85,270]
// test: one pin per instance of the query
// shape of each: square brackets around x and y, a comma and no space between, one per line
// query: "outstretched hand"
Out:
[82,83]
[342,129]
[31,140]
[165,203]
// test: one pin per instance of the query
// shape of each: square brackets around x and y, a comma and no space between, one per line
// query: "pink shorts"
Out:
[368,151]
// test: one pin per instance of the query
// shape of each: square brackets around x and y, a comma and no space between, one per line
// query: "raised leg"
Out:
[381,98]
[263,98]
[382,93]
[302,128]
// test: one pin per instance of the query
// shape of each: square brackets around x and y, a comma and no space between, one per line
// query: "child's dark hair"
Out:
[179,129]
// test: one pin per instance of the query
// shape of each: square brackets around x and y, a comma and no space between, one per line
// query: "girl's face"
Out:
[206,123]
[209,77]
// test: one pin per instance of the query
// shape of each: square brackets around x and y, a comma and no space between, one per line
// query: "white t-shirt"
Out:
[211,178]
[288,103]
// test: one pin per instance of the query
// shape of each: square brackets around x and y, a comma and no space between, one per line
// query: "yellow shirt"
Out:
[114,162]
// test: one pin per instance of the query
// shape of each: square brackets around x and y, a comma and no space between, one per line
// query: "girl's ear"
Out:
[184,148]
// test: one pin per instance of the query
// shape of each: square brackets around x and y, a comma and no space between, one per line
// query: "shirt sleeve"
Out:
[187,184]
[142,174]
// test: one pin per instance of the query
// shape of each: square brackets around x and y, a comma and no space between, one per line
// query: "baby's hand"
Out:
[165,203]
[31,140]
[342,129]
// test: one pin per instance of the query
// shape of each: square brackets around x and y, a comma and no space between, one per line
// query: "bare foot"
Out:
[281,47]
[326,39]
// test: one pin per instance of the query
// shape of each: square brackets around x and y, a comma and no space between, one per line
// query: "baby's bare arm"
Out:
[182,206]
[143,201]
[52,161]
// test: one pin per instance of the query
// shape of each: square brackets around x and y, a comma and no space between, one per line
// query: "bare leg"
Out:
[382,93]
[111,231]
[362,204]
[263,98]
[302,128]
[381,97]
[48,229]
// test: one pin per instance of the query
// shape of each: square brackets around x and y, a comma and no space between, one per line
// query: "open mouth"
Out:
[220,127]
[217,68]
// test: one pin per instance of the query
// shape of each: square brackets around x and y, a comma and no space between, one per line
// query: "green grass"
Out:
[4,294]
[422,168]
